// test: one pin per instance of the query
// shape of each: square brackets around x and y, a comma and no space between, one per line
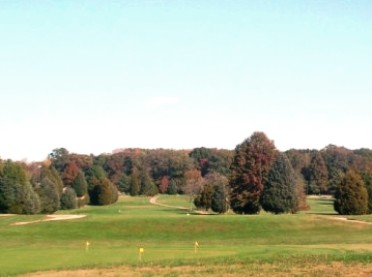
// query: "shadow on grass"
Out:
[185,212]
[320,213]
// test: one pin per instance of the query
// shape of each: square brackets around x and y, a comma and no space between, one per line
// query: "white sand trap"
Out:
[53,217]
[64,216]
[349,220]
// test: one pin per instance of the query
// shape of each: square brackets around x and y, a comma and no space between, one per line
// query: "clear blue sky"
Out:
[92,76]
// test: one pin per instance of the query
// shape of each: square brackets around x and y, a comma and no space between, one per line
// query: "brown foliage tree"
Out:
[251,163]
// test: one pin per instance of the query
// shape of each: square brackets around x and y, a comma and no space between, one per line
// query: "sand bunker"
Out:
[53,217]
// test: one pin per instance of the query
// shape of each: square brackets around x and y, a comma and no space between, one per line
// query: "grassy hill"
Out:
[228,244]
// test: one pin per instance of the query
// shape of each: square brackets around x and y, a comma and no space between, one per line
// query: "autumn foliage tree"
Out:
[251,164]
[193,183]
[211,160]
[70,173]
[163,184]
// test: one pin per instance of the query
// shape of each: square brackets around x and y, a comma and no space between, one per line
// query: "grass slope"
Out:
[167,235]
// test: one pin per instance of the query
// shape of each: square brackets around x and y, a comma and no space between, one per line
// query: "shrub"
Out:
[351,197]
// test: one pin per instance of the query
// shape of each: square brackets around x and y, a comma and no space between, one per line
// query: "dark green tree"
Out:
[124,183]
[203,200]
[212,160]
[101,190]
[318,175]
[220,202]
[47,171]
[367,178]
[59,158]
[49,196]
[135,182]
[79,184]
[279,195]
[16,193]
[351,196]
[251,163]
[172,187]
[69,199]
[104,193]
[213,194]
[148,186]
[114,193]
[300,193]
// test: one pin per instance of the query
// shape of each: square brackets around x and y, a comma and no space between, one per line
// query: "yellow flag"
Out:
[141,250]
[87,243]
[196,246]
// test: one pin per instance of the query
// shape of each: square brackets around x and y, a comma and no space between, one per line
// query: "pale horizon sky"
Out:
[93,76]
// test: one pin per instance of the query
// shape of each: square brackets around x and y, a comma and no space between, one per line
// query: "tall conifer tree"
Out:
[279,194]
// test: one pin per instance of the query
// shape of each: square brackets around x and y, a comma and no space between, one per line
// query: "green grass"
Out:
[168,234]
[321,205]
[176,201]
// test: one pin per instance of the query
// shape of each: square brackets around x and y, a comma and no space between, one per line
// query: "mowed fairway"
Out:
[314,243]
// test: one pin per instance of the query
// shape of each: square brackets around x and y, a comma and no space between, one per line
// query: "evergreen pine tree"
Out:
[49,197]
[135,182]
[172,187]
[148,186]
[79,184]
[219,202]
[16,193]
[318,175]
[279,195]
[367,177]
[68,199]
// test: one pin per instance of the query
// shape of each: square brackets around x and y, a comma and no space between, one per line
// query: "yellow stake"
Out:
[196,246]
[87,244]
[141,251]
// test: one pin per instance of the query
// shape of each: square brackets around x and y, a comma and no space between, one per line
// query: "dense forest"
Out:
[252,177]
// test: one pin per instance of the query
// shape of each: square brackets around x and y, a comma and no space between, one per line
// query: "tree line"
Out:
[252,177]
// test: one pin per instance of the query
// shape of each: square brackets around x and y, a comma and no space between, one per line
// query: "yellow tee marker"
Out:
[141,251]
[87,244]
[196,246]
